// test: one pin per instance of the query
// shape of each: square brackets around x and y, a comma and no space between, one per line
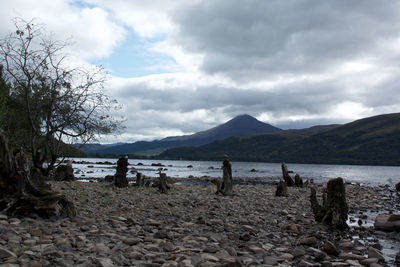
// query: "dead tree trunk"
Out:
[120,175]
[227,185]
[163,186]
[281,189]
[286,177]
[298,181]
[23,190]
[334,210]
[139,179]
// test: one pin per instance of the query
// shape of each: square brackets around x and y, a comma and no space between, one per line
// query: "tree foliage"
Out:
[49,101]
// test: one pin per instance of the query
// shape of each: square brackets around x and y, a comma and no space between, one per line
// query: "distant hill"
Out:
[240,126]
[371,141]
[312,130]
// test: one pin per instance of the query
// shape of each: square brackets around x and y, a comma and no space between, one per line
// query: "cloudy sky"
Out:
[181,66]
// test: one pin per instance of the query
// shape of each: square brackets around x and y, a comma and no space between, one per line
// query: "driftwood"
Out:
[163,186]
[334,209]
[23,190]
[120,179]
[286,177]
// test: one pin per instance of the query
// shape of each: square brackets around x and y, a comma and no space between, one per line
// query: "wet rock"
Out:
[309,241]
[373,253]
[5,253]
[330,248]
[387,222]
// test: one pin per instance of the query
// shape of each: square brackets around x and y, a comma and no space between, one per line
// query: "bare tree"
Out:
[57,103]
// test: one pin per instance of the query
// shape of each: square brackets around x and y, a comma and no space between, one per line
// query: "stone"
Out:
[374,253]
[5,253]
[104,262]
[270,260]
[351,256]
[398,187]
[330,248]
[308,241]
[369,261]
[387,222]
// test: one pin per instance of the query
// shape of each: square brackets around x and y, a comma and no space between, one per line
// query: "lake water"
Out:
[321,173]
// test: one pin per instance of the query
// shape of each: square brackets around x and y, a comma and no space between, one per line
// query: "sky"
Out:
[182,66]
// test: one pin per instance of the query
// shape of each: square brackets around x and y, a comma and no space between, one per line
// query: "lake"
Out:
[321,173]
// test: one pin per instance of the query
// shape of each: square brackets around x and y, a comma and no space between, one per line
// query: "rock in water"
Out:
[387,222]
[64,173]
[298,181]
[334,210]
[281,189]
[120,176]
[286,177]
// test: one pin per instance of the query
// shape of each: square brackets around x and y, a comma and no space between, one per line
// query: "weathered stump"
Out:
[23,190]
[163,186]
[334,210]
[227,184]
[286,177]
[139,179]
[120,175]
[281,189]
[298,181]
[64,173]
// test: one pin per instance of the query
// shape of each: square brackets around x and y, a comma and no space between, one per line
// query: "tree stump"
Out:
[64,173]
[281,189]
[227,184]
[298,181]
[163,186]
[334,209]
[286,177]
[23,190]
[120,175]
[139,179]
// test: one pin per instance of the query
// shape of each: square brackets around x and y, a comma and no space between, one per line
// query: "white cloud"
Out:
[92,30]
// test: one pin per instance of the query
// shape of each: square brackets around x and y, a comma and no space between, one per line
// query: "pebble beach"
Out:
[192,226]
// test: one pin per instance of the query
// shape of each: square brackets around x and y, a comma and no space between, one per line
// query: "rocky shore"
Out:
[191,226]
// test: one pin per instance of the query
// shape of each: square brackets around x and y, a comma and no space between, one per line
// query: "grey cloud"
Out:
[254,38]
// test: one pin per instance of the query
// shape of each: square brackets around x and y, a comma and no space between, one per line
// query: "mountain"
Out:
[371,141]
[243,125]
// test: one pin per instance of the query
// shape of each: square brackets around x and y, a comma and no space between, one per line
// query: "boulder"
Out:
[387,222]
[398,187]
